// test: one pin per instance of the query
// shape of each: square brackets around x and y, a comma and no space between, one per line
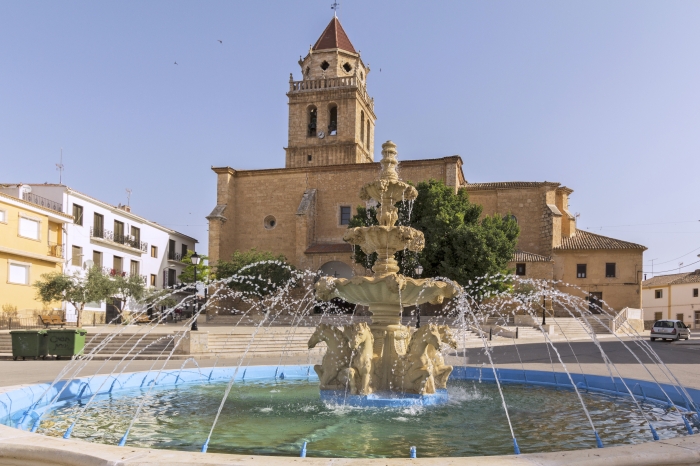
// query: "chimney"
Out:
[125,208]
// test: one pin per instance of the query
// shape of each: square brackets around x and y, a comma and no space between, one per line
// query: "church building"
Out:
[303,209]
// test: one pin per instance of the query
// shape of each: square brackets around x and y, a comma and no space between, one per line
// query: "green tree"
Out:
[256,272]
[154,298]
[458,245]
[128,287]
[203,270]
[77,289]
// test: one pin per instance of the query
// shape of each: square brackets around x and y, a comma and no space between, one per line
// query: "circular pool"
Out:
[275,418]
[274,410]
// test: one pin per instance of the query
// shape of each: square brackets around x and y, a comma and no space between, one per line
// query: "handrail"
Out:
[42,201]
[330,83]
[126,240]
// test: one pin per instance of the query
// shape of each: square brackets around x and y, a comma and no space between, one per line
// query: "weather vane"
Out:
[335,6]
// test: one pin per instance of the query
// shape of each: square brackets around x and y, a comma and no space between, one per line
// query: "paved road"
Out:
[583,356]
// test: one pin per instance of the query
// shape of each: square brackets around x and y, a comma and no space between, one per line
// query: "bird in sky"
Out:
[176,63]
[220,41]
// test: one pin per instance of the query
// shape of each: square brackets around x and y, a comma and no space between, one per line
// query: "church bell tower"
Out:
[331,116]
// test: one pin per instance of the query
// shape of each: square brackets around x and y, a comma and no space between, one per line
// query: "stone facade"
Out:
[296,210]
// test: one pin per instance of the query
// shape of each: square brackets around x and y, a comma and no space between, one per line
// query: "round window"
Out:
[270,222]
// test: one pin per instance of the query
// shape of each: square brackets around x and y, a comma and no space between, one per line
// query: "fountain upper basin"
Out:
[392,290]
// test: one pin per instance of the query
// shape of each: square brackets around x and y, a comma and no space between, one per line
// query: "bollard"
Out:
[516,332]
[303,451]
[490,333]
[412,453]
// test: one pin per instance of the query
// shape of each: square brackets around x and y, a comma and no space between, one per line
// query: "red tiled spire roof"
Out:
[334,37]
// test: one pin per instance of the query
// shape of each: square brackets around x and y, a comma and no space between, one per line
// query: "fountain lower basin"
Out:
[14,403]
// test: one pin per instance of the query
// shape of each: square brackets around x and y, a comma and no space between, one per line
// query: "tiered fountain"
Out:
[384,363]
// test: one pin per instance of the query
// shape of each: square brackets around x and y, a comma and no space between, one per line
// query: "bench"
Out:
[52,320]
[144,319]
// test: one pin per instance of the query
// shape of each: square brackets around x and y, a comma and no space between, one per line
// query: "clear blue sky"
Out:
[601,96]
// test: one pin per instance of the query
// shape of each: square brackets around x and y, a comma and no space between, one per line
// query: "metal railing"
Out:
[175,256]
[125,240]
[55,250]
[19,323]
[43,202]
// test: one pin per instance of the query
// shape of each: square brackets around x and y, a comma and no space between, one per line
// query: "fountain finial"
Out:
[389,162]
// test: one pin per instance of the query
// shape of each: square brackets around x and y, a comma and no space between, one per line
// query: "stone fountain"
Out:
[385,356]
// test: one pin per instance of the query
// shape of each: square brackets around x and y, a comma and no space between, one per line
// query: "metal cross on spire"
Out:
[335,6]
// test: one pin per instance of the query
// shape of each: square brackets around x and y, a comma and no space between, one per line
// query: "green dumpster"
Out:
[29,344]
[66,342]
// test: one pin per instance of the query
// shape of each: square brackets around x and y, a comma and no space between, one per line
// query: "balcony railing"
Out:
[125,240]
[55,250]
[175,256]
[329,83]
[43,202]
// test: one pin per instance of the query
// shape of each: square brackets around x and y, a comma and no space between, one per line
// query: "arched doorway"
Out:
[336,269]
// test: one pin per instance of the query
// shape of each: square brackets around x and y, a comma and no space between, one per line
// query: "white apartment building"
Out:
[675,296]
[110,237]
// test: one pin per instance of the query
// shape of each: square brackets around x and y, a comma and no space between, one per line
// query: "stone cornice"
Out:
[336,168]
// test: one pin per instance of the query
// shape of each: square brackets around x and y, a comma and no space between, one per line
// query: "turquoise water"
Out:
[276,418]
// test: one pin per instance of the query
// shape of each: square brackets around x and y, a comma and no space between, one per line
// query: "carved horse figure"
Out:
[359,371]
[441,372]
[418,366]
[337,355]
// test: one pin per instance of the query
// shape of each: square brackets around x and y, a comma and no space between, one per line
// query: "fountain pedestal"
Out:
[385,362]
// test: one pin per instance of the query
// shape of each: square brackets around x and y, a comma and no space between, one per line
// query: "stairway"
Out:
[573,327]
[294,341]
[149,346]
[5,343]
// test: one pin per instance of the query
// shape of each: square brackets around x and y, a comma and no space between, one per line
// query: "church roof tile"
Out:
[522,256]
[322,248]
[510,185]
[334,37]
[587,240]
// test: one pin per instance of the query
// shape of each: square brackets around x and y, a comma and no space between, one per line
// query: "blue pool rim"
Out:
[28,402]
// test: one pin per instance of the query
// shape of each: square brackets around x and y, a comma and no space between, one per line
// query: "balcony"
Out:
[55,250]
[116,239]
[349,82]
[175,256]
[43,202]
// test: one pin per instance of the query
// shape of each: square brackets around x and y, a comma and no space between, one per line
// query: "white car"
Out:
[669,330]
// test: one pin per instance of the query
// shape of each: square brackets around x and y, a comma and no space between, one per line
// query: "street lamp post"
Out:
[544,311]
[419,271]
[195,261]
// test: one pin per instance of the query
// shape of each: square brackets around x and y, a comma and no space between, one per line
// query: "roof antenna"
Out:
[128,197]
[59,167]
[335,6]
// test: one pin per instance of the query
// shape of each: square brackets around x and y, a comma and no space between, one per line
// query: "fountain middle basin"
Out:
[273,410]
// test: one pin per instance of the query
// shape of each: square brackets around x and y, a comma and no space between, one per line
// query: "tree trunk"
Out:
[79,311]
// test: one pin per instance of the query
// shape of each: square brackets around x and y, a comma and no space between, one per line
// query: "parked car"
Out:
[669,330]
